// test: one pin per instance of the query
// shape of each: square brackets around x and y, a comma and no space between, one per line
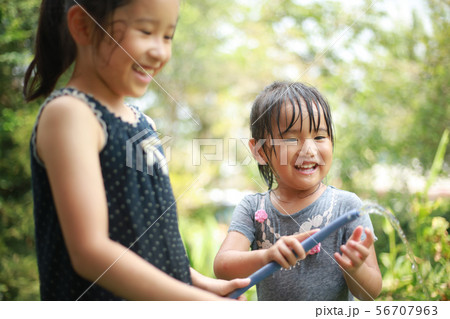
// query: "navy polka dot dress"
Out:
[141,205]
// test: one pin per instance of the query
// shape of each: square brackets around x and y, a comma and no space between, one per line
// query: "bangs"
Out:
[286,103]
[295,105]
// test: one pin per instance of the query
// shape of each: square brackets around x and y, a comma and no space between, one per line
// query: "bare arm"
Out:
[360,267]
[69,139]
[235,260]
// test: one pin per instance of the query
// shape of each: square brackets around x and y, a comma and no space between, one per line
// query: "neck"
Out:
[86,80]
[292,201]
[287,194]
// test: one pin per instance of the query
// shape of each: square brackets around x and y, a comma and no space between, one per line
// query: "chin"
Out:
[137,93]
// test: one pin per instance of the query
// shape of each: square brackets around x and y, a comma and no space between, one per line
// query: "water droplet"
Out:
[371,208]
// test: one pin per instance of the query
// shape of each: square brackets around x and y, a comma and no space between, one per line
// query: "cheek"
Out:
[166,58]
[168,54]
[109,54]
[283,152]
[326,150]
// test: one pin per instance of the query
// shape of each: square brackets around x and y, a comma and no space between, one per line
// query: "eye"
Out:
[146,32]
[291,141]
[320,137]
[168,37]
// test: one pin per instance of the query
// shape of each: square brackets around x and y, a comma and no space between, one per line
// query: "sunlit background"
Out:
[383,66]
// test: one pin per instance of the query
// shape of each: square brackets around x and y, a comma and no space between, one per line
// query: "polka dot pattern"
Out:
[141,205]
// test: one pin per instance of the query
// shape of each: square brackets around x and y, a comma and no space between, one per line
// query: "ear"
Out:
[80,25]
[257,152]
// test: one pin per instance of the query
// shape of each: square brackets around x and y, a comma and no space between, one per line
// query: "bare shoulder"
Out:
[68,120]
[66,109]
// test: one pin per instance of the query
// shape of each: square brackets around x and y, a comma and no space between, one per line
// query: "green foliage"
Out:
[202,236]
[18,269]
[430,245]
[386,80]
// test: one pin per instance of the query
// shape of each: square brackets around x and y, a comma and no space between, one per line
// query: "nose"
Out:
[308,149]
[159,50]
[309,152]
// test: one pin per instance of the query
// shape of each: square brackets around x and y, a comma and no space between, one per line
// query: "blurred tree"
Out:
[18,270]
[385,77]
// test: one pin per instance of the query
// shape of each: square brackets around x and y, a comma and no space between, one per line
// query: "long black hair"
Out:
[268,107]
[55,49]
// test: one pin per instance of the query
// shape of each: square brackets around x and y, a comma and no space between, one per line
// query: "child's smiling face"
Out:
[301,157]
[144,30]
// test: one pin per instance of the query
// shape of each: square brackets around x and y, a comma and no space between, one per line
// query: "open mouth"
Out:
[306,167]
[142,71]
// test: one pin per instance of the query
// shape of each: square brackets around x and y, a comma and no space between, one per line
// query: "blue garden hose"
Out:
[307,244]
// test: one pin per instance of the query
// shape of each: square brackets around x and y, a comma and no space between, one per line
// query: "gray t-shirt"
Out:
[318,276]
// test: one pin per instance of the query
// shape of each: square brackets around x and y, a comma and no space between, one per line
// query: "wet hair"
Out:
[268,108]
[55,49]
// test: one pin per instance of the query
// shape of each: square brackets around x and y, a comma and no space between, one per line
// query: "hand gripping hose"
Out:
[307,244]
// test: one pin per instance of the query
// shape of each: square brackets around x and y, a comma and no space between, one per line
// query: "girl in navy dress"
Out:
[106,225]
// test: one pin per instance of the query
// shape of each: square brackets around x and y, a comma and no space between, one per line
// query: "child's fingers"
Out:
[360,248]
[369,238]
[298,249]
[278,252]
[356,252]
[230,286]
[240,283]
[301,237]
[356,235]
[279,256]
[295,250]
[288,255]
[290,250]
[350,254]
[343,261]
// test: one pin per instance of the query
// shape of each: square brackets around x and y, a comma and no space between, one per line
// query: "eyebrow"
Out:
[153,21]
[324,129]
